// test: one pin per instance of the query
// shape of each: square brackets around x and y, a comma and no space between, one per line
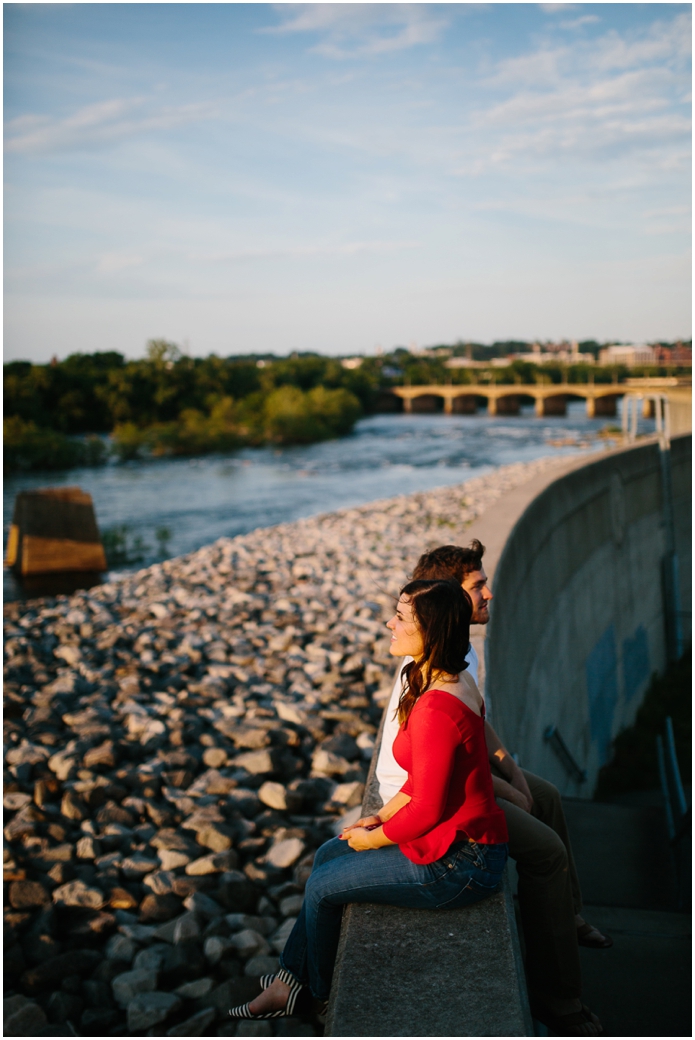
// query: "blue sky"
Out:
[242,178]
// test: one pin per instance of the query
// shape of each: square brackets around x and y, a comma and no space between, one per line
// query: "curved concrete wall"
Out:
[578,625]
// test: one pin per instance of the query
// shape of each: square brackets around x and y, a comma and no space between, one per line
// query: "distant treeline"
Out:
[172,404]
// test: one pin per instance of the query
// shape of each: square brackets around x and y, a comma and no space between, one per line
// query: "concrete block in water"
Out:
[54,529]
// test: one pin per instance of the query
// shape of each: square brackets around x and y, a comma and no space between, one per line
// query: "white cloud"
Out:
[359,30]
[98,124]
[302,251]
[613,96]
[577,23]
[558,8]
[112,263]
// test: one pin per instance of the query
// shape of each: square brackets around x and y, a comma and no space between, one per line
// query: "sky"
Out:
[248,178]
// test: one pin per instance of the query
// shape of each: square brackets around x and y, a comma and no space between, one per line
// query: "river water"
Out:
[199,500]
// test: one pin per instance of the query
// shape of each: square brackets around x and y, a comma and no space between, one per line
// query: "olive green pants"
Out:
[549,894]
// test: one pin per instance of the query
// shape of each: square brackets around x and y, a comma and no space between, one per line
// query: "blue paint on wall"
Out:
[602,690]
[635,661]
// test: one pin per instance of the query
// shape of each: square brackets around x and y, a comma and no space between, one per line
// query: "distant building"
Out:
[465,362]
[351,362]
[629,354]
[677,356]
[565,351]
[430,351]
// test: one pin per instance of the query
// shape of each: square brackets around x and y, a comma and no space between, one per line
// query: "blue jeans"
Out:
[468,872]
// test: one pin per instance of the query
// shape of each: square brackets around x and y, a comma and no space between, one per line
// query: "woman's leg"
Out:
[384,876]
[294,956]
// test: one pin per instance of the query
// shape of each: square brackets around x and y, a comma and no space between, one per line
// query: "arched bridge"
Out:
[549,398]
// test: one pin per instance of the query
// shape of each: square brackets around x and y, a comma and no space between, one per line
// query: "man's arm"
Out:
[390,775]
[514,787]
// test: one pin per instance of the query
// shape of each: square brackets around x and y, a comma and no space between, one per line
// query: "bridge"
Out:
[549,398]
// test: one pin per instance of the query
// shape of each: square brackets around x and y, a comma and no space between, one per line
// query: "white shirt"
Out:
[390,775]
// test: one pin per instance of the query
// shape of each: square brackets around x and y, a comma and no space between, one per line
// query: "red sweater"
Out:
[442,748]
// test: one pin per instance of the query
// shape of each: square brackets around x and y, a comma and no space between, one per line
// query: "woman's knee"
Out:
[330,849]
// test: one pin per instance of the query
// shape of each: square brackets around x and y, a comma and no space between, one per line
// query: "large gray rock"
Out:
[119,948]
[186,928]
[249,943]
[261,964]
[129,984]
[277,796]
[79,894]
[284,853]
[279,938]
[195,1025]
[196,989]
[215,863]
[22,1017]
[149,1009]
[216,947]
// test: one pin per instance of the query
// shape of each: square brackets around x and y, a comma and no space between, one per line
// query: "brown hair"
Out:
[443,613]
[450,561]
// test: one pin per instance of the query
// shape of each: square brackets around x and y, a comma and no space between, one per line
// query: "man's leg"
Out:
[547,807]
[546,904]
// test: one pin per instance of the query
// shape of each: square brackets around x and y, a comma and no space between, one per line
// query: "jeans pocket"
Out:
[440,870]
[472,891]
[474,854]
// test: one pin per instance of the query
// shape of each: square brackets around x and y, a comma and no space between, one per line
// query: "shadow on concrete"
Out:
[642,985]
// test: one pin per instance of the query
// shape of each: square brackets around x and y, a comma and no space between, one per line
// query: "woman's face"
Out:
[406,638]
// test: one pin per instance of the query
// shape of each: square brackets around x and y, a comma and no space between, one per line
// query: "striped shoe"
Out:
[243,1011]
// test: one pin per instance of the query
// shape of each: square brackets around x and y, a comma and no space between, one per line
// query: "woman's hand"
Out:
[366,821]
[359,839]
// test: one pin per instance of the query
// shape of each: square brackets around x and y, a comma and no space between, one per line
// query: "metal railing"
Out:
[552,736]
[677,811]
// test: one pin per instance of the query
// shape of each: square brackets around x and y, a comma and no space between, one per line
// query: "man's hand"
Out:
[518,782]
[503,789]
[517,790]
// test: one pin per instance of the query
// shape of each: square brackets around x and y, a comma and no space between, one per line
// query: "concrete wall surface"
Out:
[578,623]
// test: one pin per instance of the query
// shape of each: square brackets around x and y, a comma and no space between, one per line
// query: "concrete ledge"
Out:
[403,972]
[428,973]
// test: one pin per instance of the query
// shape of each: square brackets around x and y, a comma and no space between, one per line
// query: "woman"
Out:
[441,841]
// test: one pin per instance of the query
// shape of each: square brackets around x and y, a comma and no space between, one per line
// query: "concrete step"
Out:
[642,985]
[622,854]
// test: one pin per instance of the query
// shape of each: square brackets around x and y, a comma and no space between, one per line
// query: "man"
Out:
[549,895]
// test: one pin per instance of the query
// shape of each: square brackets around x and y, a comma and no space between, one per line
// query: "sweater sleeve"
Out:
[434,738]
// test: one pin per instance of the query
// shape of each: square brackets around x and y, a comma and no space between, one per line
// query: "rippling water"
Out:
[200,500]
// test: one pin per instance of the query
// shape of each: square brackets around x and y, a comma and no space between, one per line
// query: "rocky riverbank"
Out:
[178,743]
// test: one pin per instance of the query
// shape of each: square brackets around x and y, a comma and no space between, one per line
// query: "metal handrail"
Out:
[663,780]
[553,737]
[675,772]
[676,810]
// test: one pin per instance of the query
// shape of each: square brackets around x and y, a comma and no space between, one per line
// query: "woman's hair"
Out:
[442,610]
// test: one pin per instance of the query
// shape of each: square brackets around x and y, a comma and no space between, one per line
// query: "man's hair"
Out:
[450,561]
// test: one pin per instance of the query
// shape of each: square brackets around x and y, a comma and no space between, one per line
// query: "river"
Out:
[199,500]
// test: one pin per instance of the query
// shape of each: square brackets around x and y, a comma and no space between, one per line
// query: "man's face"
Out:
[475,584]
